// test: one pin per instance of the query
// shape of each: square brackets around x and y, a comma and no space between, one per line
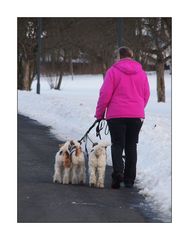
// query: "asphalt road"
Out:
[40,200]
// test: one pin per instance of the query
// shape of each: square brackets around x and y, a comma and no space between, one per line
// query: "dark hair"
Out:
[125,52]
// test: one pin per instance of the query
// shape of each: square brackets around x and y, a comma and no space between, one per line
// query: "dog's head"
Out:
[100,148]
[71,147]
[65,153]
[101,144]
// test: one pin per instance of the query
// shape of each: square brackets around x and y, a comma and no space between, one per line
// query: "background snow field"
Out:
[70,112]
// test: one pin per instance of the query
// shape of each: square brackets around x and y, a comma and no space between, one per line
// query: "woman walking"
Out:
[123,97]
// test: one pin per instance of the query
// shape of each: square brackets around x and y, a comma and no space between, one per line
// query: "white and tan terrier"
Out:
[97,164]
[69,164]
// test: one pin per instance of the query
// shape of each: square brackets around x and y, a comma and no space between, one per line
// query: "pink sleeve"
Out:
[146,91]
[105,95]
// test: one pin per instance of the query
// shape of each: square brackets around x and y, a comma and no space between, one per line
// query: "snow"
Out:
[70,112]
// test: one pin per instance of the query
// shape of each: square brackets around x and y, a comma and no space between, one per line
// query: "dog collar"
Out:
[71,149]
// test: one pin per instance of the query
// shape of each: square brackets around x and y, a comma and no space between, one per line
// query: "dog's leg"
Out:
[92,178]
[101,176]
[57,177]
[66,176]
[82,174]
[70,177]
[74,174]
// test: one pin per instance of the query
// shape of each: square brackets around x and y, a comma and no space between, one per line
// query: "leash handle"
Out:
[100,126]
[88,131]
[98,129]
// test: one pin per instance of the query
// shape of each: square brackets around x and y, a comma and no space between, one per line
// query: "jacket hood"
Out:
[128,66]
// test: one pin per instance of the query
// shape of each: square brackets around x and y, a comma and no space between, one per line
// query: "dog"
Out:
[97,164]
[69,164]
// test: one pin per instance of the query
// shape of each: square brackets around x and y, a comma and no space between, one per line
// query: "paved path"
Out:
[39,200]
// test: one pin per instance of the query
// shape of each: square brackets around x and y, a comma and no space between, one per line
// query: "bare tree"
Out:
[27,47]
[156,40]
[90,42]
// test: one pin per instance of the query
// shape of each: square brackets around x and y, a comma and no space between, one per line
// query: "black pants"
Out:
[124,136]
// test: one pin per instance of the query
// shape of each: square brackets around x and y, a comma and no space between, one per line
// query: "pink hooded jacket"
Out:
[124,92]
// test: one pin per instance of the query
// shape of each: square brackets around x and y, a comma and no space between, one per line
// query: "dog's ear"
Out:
[61,145]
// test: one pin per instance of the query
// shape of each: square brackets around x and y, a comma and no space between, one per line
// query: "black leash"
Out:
[86,137]
[100,126]
[80,141]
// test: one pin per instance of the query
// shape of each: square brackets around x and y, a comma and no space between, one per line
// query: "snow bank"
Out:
[70,112]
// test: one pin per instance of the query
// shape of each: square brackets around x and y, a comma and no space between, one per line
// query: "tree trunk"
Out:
[32,73]
[20,74]
[104,68]
[28,74]
[59,81]
[71,64]
[160,82]
[26,78]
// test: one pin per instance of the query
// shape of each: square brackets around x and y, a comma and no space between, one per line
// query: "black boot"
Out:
[128,183]
[117,178]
